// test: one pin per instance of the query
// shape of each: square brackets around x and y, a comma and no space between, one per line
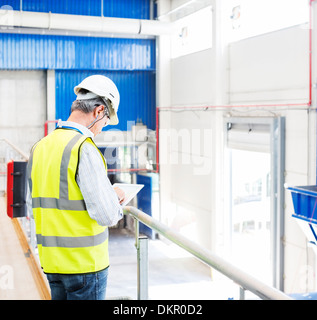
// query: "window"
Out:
[192,33]
[253,17]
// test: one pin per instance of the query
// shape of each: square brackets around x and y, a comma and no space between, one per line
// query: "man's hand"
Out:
[120,193]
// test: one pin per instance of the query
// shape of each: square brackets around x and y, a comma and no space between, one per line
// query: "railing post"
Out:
[141,244]
[136,231]
[242,293]
[142,252]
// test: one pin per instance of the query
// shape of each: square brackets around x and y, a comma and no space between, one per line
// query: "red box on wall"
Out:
[10,189]
[16,189]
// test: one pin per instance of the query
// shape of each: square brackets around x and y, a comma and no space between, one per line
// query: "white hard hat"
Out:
[104,88]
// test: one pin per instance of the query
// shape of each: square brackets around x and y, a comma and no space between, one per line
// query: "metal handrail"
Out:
[14,147]
[246,281]
[8,151]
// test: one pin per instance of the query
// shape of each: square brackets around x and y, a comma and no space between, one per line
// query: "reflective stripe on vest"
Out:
[71,242]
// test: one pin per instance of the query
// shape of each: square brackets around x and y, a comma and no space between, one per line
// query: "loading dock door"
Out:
[255,189]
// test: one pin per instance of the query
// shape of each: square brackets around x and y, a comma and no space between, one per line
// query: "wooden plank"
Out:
[37,273]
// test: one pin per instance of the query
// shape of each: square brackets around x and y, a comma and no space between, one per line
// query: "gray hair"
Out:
[88,105]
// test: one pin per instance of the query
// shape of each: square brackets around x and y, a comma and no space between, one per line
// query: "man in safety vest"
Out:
[73,201]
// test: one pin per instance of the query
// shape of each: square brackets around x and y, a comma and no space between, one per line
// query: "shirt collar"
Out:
[74,125]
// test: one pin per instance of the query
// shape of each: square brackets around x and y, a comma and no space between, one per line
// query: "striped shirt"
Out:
[100,198]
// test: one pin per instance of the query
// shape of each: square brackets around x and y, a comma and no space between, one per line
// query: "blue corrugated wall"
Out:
[130,63]
[135,9]
[22,51]
[137,95]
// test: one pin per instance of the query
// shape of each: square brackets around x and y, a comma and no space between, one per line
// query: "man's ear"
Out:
[101,109]
[98,110]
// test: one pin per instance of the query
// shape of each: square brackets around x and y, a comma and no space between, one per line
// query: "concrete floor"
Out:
[16,280]
[173,273]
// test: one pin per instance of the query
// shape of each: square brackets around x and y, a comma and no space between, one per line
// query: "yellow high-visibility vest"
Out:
[69,241]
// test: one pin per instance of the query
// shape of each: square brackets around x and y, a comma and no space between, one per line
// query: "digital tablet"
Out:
[130,190]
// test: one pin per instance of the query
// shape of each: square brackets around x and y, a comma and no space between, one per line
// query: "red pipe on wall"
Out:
[131,170]
[310,50]
[46,126]
[157,141]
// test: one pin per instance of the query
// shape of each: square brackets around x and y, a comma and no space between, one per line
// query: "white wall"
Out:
[191,79]
[268,69]
[186,168]
[22,107]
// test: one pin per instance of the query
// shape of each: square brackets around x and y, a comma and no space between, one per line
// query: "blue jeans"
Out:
[86,286]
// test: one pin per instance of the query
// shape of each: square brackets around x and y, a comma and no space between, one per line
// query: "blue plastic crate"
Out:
[305,203]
